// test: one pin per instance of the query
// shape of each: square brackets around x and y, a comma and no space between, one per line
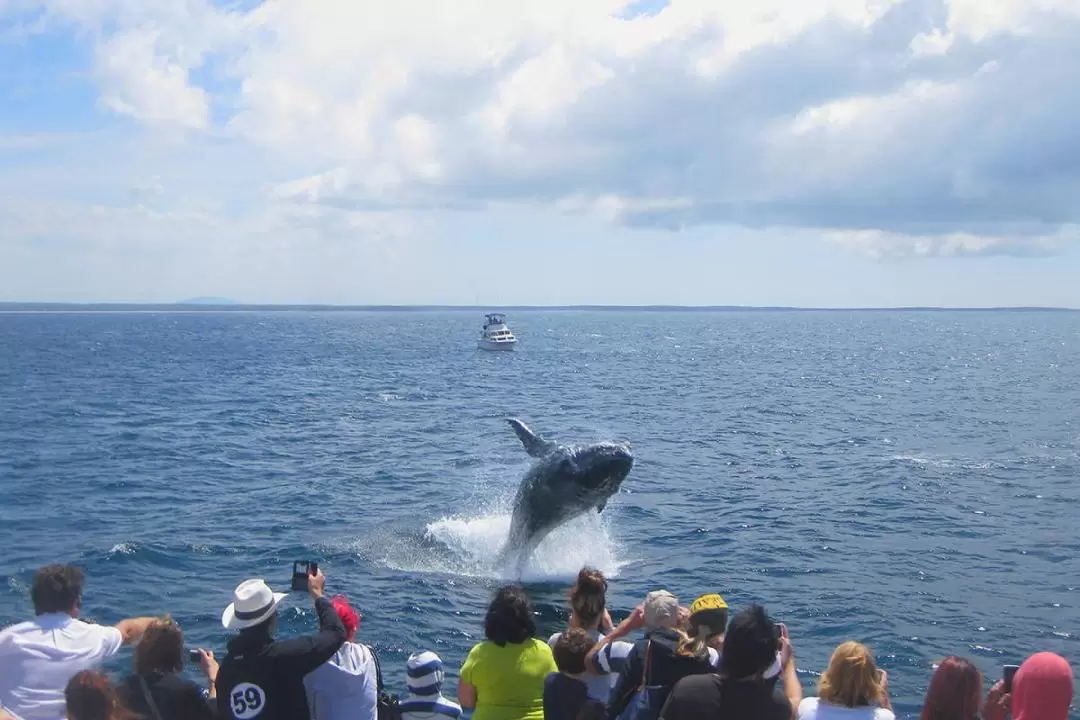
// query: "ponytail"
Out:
[694,645]
[588,597]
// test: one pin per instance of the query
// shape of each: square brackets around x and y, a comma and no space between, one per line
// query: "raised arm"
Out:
[633,622]
[309,652]
[792,686]
[133,628]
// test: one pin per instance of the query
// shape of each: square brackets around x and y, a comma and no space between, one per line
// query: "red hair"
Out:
[955,691]
[349,617]
[90,696]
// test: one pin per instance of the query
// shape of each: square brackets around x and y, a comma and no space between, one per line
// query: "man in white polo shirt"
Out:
[38,657]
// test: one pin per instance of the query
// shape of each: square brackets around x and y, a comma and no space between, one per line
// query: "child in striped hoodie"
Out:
[425,700]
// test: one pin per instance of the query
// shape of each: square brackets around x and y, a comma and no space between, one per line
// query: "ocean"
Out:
[906,479]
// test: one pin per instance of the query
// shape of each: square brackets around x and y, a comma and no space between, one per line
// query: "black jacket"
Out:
[665,668]
[265,679]
[176,698]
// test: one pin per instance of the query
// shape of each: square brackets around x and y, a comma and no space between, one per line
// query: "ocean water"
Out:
[907,479]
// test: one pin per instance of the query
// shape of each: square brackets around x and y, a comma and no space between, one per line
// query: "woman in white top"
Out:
[345,686]
[851,689]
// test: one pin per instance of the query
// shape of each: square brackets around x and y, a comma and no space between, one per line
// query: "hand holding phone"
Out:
[1007,673]
[193,656]
[781,630]
[302,570]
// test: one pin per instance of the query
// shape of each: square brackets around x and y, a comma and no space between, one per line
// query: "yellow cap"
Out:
[708,602]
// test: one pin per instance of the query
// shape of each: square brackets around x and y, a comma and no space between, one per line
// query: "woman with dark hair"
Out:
[503,677]
[955,691]
[90,696]
[156,689]
[588,612]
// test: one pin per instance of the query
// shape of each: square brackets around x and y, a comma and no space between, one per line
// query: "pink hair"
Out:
[349,617]
[1042,688]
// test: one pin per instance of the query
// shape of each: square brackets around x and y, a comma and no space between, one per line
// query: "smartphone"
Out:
[193,656]
[781,630]
[300,571]
[1007,673]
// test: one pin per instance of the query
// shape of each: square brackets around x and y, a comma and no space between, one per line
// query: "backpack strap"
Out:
[645,672]
[149,699]
[378,669]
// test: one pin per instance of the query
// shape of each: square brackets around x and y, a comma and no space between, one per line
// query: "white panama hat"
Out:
[253,602]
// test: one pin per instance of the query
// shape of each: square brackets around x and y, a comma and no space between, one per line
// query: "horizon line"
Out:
[230,306]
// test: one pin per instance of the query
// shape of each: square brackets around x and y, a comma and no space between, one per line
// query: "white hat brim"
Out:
[231,622]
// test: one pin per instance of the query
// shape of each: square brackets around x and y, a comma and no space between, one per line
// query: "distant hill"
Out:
[208,301]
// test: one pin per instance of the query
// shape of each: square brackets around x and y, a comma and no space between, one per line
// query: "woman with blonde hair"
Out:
[852,688]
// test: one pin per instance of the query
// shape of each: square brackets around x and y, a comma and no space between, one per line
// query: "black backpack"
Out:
[388,702]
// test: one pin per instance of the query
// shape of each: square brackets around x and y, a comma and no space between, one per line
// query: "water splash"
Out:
[469,547]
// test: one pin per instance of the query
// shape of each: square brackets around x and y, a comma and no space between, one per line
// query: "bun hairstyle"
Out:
[588,597]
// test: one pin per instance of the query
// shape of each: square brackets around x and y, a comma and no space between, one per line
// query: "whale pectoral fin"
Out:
[535,445]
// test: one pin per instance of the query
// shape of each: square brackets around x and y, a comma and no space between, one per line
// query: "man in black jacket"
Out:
[263,678]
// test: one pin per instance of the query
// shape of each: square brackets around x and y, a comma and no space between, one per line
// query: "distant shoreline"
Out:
[25,308]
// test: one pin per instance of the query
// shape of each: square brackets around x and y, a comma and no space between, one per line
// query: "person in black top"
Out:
[156,690]
[663,652]
[264,678]
[741,691]
[565,693]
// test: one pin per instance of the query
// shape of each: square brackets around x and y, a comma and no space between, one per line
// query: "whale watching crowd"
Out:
[663,661]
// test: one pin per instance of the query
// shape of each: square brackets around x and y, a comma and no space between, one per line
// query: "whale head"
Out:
[600,468]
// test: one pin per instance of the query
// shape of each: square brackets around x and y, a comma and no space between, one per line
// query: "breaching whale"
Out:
[564,483]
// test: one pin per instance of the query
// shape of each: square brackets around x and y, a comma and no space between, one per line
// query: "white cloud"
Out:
[888,246]
[948,122]
[137,80]
[76,252]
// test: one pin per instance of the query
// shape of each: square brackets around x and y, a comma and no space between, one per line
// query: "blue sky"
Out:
[809,152]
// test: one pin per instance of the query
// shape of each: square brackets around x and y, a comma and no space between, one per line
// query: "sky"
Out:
[821,153]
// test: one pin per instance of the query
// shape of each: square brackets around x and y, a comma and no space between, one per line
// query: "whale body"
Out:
[562,484]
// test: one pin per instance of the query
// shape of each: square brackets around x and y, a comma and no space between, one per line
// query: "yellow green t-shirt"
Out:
[509,680]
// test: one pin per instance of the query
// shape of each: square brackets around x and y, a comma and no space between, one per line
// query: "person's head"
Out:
[160,651]
[661,610]
[424,673]
[254,609]
[90,696]
[1042,688]
[588,597]
[349,617]
[57,589]
[509,617]
[708,621]
[955,691]
[570,651]
[750,644]
[852,678]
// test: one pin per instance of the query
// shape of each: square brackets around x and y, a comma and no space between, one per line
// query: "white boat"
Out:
[495,335]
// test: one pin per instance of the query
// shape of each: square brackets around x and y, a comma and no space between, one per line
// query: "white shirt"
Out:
[345,686]
[38,657]
[813,708]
